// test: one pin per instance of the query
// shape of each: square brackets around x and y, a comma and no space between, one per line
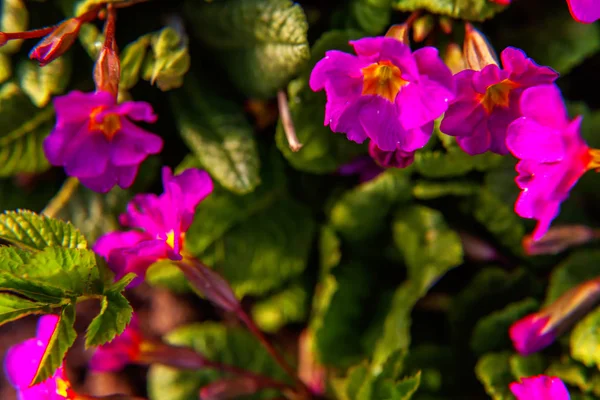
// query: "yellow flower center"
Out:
[109,126]
[497,95]
[171,239]
[63,388]
[382,79]
[594,161]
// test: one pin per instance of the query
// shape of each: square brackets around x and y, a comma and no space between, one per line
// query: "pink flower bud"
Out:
[56,43]
[399,32]
[558,239]
[477,50]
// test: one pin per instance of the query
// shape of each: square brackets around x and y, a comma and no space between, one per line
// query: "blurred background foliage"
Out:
[407,283]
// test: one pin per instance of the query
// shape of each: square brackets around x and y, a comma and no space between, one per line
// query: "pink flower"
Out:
[540,387]
[385,92]
[553,155]
[22,362]
[487,101]
[124,349]
[391,159]
[585,11]
[161,223]
[95,140]
[531,334]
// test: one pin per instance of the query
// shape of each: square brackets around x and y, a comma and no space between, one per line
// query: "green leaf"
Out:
[217,343]
[493,371]
[112,320]
[455,162]
[580,266]
[426,190]
[363,210]
[14,307]
[401,390]
[473,10]
[531,365]
[5,67]
[13,18]
[40,84]
[323,151]
[61,340]
[29,230]
[585,340]
[23,128]
[329,250]
[217,132]
[288,306]
[575,374]
[491,332]
[168,61]
[167,275]
[261,44]
[429,246]
[132,59]
[370,16]
[91,39]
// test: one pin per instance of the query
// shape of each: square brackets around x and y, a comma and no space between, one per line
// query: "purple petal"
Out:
[540,388]
[399,54]
[379,120]
[369,47]
[349,122]
[335,64]
[88,157]
[117,240]
[77,106]
[22,361]
[391,159]
[529,140]
[524,70]
[545,105]
[122,350]
[419,104]
[132,145]
[488,76]
[585,11]
[195,185]
[57,142]
[416,138]
[529,335]
[464,118]
[136,110]
[46,327]
[430,65]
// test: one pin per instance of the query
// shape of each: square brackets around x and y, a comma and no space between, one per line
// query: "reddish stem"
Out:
[33,34]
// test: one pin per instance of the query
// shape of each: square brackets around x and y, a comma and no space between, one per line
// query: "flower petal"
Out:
[528,140]
[88,157]
[132,145]
[545,104]
[584,11]
[379,120]
[420,104]
[524,70]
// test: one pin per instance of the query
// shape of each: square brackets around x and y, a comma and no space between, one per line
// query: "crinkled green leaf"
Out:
[40,84]
[580,266]
[30,230]
[217,132]
[13,18]
[112,320]
[585,340]
[287,306]
[217,343]
[474,10]
[23,127]
[168,61]
[132,58]
[14,307]
[61,340]
[493,371]
[322,150]
[261,44]
[364,210]
[491,332]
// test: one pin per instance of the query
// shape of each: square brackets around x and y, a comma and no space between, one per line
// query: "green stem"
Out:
[61,198]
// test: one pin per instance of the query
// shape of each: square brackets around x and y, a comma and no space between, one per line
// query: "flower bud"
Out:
[454,59]
[399,32]
[56,43]
[107,71]
[538,330]
[391,159]
[558,239]
[477,51]
[422,27]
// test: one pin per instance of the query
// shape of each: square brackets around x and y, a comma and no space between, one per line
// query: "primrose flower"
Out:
[95,140]
[532,334]
[584,11]
[22,362]
[553,155]
[487,101]
[161,223]
[122,350]
[540,387]
[385,92]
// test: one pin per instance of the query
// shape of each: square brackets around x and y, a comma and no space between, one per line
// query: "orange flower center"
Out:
[63,388]
[382,79]
[594,159]
[497,95]
[109,126]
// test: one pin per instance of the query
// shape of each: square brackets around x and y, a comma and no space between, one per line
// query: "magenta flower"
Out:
[95,140]
[585,11]
[391,159]
[161,222]
[385,92]
[122,350]
[553,155]
[532,333]
[540,387]
[487,101]
[22,362]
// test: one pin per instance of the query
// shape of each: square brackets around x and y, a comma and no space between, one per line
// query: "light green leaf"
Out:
[14,307]
[323,151]
[329,250]
[364,210]
[112,320]
[13,18]
[61,340]
[474,10]
[91,39]
[287,306]
[217,132]
[40,84]
[580,266]
[29,230]
[217,343]
[167,275]
[493,371]
[585,340]
[132,58]
[455,162]
[429,246]
[168,61]
[491,332]
[261,44]
[5,67]
[576,374]
[531,365]
[426,190]
[23,127]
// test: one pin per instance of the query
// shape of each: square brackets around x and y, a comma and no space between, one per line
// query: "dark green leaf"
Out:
[475,10]
[426,190]
[217,132]
[287,306]
[579,267]
[14,307]
[40,84]
[522,366]
[61,340]
[261,44]
[329,250]
[370,16]
[112,320]
[493,371]
[29,230]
